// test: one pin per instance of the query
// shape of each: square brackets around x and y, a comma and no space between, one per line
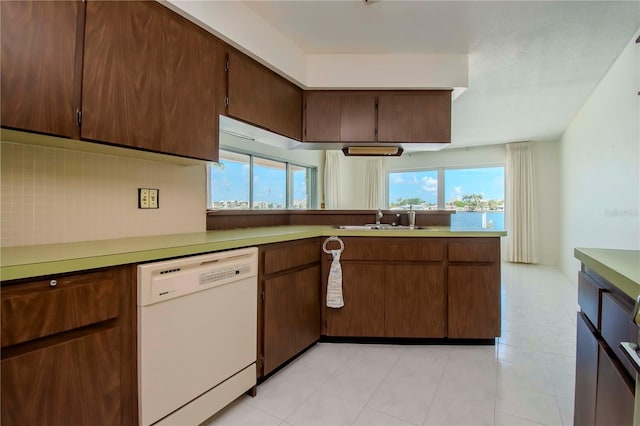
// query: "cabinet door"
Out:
[76,382]
[474,301]
[363,289]
[321,116]
[614,400]
[415,304]
[358,117]
[586,373]
[291,315]
[192,90]
[40,82]
[411,117]
[121,82]
[259,96]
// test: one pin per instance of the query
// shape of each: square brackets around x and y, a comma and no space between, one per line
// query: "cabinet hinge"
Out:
[226,65]
[226,101]
[262,295]
[261,361]
[78,117]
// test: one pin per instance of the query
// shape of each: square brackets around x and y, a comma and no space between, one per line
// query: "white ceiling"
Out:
[531,64]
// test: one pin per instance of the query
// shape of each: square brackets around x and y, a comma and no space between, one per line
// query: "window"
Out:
[477,194]
[416,189]
[246,181]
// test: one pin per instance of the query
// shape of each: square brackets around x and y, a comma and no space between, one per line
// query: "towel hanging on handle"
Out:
[334,283]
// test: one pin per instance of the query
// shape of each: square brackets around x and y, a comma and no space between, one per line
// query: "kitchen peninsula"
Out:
[398,283]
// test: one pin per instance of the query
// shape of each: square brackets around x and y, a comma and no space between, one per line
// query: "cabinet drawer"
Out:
[282,256]
[36,309]
[617,327]
[589,296]
[474,250]
[393,249]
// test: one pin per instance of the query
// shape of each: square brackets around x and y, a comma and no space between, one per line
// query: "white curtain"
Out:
[373,181]
[520,203]
[332,180]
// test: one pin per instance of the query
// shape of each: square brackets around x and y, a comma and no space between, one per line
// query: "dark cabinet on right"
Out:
[605,384]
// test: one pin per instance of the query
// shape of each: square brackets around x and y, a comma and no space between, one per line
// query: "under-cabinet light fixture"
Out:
[372,151]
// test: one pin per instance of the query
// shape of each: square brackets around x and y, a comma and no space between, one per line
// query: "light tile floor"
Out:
[527,378]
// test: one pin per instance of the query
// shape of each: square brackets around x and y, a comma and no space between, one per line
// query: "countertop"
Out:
[46,259]
[620,267]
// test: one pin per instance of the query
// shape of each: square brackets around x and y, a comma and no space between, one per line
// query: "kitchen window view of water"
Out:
[476,194]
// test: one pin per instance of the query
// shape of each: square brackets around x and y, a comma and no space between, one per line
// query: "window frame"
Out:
[311,179]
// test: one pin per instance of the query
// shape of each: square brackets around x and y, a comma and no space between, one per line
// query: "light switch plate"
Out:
[143,198]
[154,202]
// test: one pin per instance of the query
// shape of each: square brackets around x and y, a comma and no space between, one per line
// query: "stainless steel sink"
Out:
[383,227]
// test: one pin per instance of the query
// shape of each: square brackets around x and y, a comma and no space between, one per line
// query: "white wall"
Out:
[52,195]
[600,165]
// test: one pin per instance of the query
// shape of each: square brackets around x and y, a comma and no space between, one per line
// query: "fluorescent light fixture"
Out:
[372,151]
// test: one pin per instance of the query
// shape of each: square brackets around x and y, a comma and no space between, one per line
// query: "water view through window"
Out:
[476,194]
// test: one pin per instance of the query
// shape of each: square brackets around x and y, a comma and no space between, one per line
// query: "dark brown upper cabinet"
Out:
[378,116]
[40,76]
[259,96]
[339,116]
[415,117]
[122,73]
[193,90]
[357,117]
[151,80]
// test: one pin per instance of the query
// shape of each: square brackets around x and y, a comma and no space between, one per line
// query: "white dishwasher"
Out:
[196,335]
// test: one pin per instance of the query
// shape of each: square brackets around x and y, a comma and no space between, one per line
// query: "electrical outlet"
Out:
[154,202]
[143,198]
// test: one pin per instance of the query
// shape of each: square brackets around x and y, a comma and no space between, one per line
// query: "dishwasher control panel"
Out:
[220,274]
[167,280]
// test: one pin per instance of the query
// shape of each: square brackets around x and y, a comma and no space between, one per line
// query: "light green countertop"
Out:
[46,259]
[620,267]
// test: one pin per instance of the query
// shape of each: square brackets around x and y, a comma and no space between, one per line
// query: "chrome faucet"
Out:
[378,217]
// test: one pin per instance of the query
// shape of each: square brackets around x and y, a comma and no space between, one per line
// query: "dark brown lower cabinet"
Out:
[417,288]
[74,382]
[474,301]
[288,301]
[363,292]
[415,305]
[69,349]
[586,373]
[614,400]
[291,315]
[605,385]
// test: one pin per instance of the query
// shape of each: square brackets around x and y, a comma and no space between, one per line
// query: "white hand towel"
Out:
[334,284]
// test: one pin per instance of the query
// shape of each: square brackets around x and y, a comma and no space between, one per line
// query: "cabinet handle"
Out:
[53,283]
[635,310]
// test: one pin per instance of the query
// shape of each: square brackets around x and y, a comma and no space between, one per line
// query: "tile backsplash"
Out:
[52,195]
